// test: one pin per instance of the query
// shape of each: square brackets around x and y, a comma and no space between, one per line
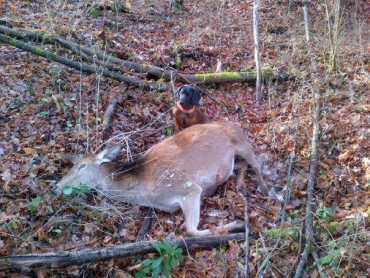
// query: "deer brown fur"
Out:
[172,174]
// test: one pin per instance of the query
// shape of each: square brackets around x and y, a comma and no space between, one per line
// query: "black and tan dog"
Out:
[186,112]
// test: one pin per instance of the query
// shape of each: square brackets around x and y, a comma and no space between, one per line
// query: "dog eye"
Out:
[81,166]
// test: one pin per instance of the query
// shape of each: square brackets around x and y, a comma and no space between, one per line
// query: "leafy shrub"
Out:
[169,256]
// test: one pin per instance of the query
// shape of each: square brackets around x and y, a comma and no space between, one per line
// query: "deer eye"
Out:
[81,166]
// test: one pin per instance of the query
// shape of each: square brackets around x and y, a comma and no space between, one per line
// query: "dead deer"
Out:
[172,174]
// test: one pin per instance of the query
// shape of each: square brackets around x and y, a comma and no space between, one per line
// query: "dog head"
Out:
[187,94]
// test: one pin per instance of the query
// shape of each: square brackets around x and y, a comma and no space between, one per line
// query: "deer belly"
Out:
[224,172]
[163,200]
[210,184]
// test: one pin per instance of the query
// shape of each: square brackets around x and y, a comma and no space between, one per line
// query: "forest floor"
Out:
[47,109]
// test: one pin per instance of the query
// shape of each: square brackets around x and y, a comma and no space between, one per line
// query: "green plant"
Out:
[178,61]
[69,189]
[91,10]
[294,214]
[44,113]
[334,253]
[289,232]
[324,213]
[167,131]
[169,256]
[34,204]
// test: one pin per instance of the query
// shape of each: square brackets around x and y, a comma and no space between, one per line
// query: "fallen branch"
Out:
[204,78]
[63,259]
[141,68]
[78,65]
[246,221]
[310,189]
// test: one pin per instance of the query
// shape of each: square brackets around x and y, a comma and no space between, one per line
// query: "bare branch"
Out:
[310,188]
[62,259]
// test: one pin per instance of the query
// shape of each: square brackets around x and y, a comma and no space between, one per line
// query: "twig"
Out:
[107,119]
[318,264]
[214,99]
[246,222]
[305,14]
[145,226]
[257,53]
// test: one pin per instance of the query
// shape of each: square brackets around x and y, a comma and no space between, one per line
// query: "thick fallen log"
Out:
[29,262]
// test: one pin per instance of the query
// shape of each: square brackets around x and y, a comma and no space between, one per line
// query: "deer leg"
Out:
[247,153]
[191,207]
[241,167]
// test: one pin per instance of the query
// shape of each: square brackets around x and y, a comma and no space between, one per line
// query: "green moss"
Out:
[13,42]
[291,232]
[46,38]
[211,76]
[332,227]
[39,51]
[266,73]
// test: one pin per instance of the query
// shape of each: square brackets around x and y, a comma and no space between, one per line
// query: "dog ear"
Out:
[177,93]
[195,97]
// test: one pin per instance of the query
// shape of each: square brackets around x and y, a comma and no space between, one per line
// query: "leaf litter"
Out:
[48,109]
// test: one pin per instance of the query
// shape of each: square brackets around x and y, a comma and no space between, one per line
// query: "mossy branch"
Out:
[114,64]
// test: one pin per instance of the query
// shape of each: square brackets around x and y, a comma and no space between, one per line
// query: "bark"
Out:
[29,262]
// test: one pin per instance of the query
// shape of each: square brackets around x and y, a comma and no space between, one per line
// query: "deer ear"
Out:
[73,158]
[195,97]
[108,154]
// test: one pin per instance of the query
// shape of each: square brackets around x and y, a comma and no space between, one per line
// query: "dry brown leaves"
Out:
[47,109]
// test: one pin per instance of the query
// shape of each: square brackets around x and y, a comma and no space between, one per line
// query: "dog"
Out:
[186,112]
[173,174]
